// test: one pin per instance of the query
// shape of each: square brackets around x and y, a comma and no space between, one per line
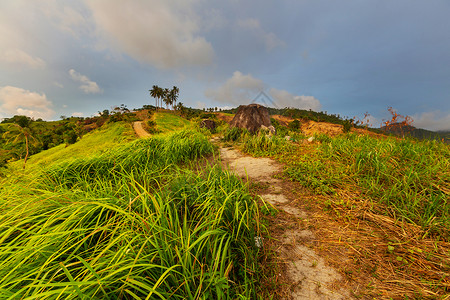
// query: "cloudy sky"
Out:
[78,57]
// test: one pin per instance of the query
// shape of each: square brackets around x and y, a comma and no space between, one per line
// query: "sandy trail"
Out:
[309,276]
[139,129]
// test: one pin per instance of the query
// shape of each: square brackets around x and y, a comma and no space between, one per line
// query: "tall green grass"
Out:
[146,158]
[262,144]
[258,144]
[411,177]
[167,122]
[130,224]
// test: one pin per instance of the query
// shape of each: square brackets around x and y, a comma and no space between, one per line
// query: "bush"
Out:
[280,130]
[151,127]
[347,125]
[295,126]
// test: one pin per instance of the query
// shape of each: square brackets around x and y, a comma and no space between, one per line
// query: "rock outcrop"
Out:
[252,117]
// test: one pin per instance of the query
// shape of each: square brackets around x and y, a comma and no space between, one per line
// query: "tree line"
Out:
[166,96]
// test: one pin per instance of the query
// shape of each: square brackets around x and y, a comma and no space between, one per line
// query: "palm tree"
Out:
[24,132]
[154,92]
[174,95]
[162,95]
[166,97]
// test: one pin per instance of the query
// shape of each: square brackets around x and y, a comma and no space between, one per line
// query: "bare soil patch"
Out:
[309,127]
[140,131]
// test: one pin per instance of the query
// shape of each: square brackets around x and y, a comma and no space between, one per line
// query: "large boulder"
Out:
[252,117]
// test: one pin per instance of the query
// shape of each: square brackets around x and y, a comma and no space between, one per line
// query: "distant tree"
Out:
[156,92]
[397,126]
[123,108]
[166,97]
[347,125]
[22,121]
[174,95]
[104,113]
[180,107]
[365,122]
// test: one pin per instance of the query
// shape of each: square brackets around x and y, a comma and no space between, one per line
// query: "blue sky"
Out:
[79,57]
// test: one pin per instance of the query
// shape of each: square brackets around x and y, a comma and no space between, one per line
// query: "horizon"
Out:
[222,109]
[76,58]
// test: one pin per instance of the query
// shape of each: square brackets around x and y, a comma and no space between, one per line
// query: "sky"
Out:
[78,57]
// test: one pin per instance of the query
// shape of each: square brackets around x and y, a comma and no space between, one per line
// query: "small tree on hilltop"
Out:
[395,125]
[365,122]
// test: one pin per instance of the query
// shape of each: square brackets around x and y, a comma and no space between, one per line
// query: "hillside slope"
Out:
[97,141]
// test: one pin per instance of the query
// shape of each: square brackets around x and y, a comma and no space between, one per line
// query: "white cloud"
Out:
[285,99]
[87,86]
[239,89]
[58,84]
[19,37]
[77,114]
[68,19]
[432,120]
[162,33]
[269,39]
[19,57]
[242,89]
[200,105]
[17,101]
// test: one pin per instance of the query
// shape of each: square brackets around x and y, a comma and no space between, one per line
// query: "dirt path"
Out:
[139,129]
[307,274]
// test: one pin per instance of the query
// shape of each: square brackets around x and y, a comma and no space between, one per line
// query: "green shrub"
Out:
[281,130]
[151,127]
[295,126]
[347,125]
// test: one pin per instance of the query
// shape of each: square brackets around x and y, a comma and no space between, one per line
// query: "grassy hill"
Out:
[110,217]
[115,217]
[101,140]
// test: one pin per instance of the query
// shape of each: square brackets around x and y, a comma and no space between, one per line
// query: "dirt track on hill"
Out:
[304,273]
[140,131]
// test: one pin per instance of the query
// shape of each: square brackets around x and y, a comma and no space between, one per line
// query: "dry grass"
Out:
[380,256]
